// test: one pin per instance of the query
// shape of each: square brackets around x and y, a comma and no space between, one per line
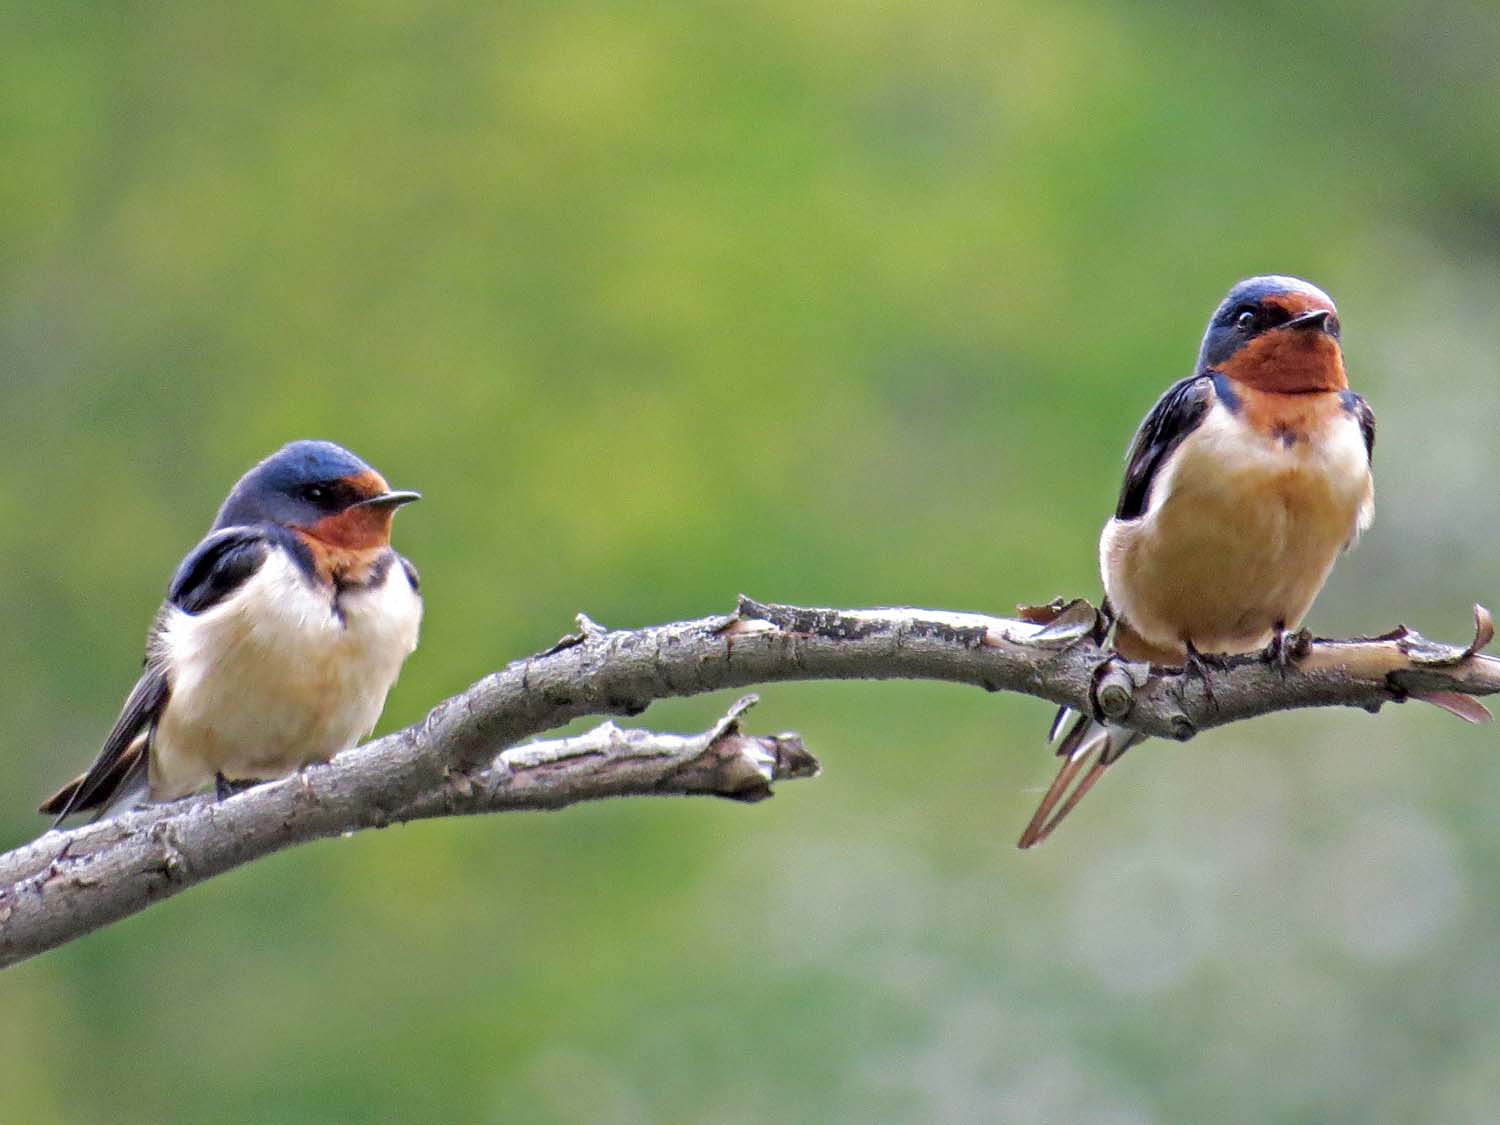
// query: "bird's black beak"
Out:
[1310,322]
[389,500]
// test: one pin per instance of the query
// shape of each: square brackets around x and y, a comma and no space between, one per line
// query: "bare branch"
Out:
[66,884]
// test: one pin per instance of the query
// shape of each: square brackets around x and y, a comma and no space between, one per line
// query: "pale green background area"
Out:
[830,303]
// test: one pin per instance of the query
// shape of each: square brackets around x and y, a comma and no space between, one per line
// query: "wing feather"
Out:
[411,574]
[1357,406]
[217,567]
[125,753]
[1176,414]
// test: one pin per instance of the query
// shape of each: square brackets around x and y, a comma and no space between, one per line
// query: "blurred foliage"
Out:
[833,303]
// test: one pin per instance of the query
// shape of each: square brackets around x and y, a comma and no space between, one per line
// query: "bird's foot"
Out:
[1285,648]
[224,788]
[1200,665]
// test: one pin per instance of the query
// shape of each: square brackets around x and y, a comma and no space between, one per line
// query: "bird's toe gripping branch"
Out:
[1286,647]
[1128,701]
[470,755]
[1296,670]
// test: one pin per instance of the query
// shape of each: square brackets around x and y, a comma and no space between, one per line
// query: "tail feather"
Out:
[125,783]
[1087,738]
[1058,721]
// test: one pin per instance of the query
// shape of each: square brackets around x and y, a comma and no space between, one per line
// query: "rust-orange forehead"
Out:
[1295,303]
[368,484]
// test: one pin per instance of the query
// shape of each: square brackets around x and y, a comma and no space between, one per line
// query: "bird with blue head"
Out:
[281,635]
[1243,485]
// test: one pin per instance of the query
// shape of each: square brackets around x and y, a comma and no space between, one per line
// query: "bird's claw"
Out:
[224,787]
[1285,648]
[1199,665]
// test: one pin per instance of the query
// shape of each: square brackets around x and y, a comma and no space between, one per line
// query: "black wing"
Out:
[218,567]
[1358,407]
[411,574]
[125,753]
[1175,415]
[215,569]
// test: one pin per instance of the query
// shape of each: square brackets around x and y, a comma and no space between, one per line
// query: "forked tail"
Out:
[1086,739]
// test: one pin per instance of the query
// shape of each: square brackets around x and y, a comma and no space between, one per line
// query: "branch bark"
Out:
[463,759]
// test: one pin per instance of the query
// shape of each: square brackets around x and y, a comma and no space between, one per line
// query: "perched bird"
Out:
[281,634]
[1242,486]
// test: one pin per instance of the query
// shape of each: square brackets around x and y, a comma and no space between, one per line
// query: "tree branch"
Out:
[456,761]
[68,883]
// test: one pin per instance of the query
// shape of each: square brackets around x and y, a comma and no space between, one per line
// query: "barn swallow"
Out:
[1243,485]
[282,632]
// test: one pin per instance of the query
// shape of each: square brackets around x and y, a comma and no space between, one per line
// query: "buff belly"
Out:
[1241,532]
[272,678]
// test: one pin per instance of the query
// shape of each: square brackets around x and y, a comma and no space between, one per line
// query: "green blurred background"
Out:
[829,303]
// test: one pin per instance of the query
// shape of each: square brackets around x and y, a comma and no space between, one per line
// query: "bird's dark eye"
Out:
[1245,319]
[315,492]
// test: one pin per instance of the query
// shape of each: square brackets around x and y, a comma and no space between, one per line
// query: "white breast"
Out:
[276,676]
[1225,461]
[1240,534]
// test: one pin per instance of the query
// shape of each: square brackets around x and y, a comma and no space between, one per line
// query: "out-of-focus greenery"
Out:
[830,303]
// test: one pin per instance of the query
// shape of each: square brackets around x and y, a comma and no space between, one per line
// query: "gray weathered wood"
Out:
[464,758]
